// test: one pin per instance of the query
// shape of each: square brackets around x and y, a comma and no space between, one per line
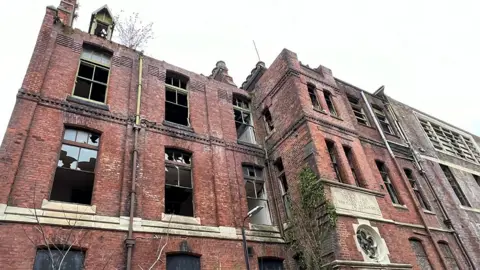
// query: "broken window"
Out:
[358,111]
[282,180]
[176,99]
[453,183]
[448,255]
[70,259]
[450,141]
[256,194]
[382,119]
[92,76]
[267,117]
[178,183]
[182,262]
[312,92]
[243,120]
[270,263]
[75,174]
[348,154]
[420,254]
[418,193]
[333,158]
[386,181]
[329,101]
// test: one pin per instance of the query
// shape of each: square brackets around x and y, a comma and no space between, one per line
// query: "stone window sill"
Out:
[400,206]
[177,126]
[336,117]
[248,144]
[69,207]
[85,102]
[471,209]
[428,212]
[320,110]
[180,219]
[263,227]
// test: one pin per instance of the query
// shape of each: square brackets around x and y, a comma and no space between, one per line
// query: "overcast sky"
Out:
[426,53]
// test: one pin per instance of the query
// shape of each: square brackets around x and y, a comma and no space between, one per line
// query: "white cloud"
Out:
[425,52]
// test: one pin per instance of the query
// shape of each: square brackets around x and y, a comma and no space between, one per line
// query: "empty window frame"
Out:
[358,111]
[282,180]
[270,263]
[333,158]
[243,120]
[75,173]
[267,117]
[448,255]
[183,262]
[312,92]
[349,155]
[256,194]
[420,254]
[454,184]
[176,99]
[450,141]
[92,76]
[329,100]
[178,182]
[386,181]
[418,193]
[70,259]
[382,119]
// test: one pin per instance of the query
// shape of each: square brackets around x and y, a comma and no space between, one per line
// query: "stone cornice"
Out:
[354,188]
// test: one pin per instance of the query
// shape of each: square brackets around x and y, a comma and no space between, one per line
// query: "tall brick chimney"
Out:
[66,11]
[220,73]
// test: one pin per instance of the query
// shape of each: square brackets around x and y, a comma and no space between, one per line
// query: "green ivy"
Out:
[311,221]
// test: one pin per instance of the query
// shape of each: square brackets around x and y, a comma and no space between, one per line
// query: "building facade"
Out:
[116,160]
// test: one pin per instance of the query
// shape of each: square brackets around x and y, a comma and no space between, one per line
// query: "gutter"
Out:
[447,219]
[130,241]
[406,182]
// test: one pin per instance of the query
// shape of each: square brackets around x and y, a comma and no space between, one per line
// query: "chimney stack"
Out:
[66,11]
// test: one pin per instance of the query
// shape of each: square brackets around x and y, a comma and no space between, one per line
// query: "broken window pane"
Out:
[171,96]
[174,111]
[82,88]
[175,79]
[250,189]
[178,201]
[72,186]
[93,139]
[263,216]
[68,157]
[87,160]
[85,70]
[255,192]
[98,92]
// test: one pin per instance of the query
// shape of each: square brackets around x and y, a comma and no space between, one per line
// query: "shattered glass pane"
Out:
[87,160]
[82,88]
[82,137]
[68,157]
[93,139]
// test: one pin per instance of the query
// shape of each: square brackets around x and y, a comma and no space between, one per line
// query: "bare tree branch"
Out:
[132,32]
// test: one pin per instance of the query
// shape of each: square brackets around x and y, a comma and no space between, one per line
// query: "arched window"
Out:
[448,255]
[75,174]
[420,254]
[183,262]
[178,182]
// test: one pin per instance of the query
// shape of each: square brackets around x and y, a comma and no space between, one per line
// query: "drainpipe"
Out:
[447,220]
[406,182]
[130,241]
[272,181]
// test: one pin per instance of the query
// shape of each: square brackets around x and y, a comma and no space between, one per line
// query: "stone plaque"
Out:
[356,203]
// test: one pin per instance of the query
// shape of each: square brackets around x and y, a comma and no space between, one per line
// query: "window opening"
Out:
[418,193]
[420,254]
[454,184]
[176,99]
[178,183]
[312,92]
[329,101]
[358,111]
[72,259]
[386,181]
[267,117]
[382,119]
[348,154]
[256,194]
[282,179]
[243,120]
[333,158]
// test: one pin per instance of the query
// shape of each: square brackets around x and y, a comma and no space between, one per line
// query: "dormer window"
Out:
[102,23]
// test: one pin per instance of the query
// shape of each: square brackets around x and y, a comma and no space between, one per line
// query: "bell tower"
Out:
[102,23]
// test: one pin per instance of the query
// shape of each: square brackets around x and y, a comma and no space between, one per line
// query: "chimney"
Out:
[66,11]
[220,73]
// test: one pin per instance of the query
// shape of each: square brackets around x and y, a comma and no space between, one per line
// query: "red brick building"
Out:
[130,162]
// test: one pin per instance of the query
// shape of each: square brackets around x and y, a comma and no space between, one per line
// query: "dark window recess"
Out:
[348,154]
[182,262]
[454,184]
[418,193]
[101,30]
[243,120]
[72,260]
[448,255]
[92,77]
[75,174]
[333,158]
[329,101]
[358,111]
[282,179]
[386,181]
[420,254]
[382,119]
[178,183]
[176,99]
[477,178]
[268,120]
[256,194]
[270,264]
[312,92]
